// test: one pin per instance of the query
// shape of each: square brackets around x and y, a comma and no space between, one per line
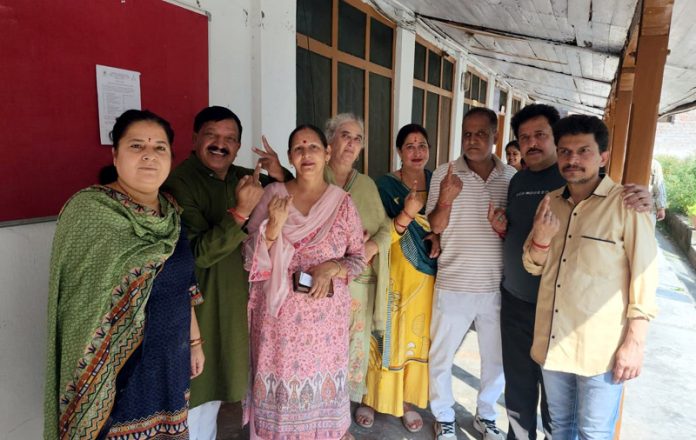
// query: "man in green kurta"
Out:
[217,198]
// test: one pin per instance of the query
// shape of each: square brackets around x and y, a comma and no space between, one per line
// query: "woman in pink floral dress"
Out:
[299,341]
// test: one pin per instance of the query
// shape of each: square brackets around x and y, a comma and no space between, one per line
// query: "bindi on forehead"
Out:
[304,141]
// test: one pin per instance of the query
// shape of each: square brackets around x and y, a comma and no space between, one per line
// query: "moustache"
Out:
[216,149]
[572,168]
[533,150]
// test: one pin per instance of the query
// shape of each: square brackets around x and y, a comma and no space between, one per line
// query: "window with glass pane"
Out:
[351,29]
[434,61]
[314,19]
[313,88]
[475,87]
[447,74]
[419,62]
[483,91]
[351,89]
[379,147]
[417,106]
[443,149]
[381,42]
[502,100]
[516,105]
[431,123]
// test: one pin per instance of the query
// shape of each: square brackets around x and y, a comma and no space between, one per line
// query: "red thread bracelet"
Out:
[539,246]
[237,215]
[399,224]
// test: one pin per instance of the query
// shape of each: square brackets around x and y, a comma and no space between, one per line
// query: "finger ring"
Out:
[500,218]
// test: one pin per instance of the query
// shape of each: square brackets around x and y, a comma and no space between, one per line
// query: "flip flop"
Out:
[365,412]
[409,418]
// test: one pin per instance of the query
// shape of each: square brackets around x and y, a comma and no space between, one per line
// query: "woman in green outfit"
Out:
[123,340]
[345,133]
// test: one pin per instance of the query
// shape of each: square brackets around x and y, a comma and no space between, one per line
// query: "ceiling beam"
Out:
[504,61]
[569,103]
[497,33]
[539,83]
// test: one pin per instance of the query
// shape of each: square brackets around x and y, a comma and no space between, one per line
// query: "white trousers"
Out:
[453,313]
[202,421]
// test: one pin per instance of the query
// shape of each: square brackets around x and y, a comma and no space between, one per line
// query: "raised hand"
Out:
[450,187]
[413,204]
[269,160]
[278,210]
[497,218]
[546,224]
[248,192]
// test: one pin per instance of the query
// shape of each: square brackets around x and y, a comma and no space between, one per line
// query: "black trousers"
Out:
[523,380]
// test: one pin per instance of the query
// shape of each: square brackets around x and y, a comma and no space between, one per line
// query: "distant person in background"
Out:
[513,155]
[123,341]
[658,191]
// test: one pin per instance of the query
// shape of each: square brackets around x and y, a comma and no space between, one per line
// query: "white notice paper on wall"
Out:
[118,90]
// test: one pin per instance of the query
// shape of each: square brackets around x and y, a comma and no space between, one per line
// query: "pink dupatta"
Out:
[271,266]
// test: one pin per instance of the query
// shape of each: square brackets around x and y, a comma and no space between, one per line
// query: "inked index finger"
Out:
[544,205]
[257,171]
[266,145]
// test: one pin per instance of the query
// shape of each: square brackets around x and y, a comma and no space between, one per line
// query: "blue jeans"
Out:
[581,407]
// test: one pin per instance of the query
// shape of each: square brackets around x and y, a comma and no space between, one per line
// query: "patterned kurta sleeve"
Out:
[195,291]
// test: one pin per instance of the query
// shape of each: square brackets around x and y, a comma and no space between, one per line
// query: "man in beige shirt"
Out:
[598,266]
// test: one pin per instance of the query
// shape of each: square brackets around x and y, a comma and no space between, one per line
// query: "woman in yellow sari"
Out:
[397,375]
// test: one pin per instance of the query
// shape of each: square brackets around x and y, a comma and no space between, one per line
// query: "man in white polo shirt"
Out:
[470,265]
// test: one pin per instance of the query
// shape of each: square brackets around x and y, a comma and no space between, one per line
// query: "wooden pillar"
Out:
[621,120]
[650,64]
[499,143]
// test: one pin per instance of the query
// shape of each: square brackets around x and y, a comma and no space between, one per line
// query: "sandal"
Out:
[411,418]
[365,416]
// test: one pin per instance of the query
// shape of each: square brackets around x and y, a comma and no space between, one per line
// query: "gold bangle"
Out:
[198,341]
[338,265]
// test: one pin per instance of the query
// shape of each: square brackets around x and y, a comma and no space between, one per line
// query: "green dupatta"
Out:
[367,201]
[107,251]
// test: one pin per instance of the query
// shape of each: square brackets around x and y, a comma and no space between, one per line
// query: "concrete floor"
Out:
[661,403]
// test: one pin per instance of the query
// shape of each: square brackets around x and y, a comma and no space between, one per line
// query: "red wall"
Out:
[49,131]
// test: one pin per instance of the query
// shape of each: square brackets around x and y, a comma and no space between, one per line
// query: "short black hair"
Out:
[215,113]
[514,144]
[532,111]
[483,111]
[408,129]
[314,128]
[107,174]
[130,117]
[583,124]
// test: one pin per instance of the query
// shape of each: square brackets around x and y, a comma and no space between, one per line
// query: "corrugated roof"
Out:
[566,52]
